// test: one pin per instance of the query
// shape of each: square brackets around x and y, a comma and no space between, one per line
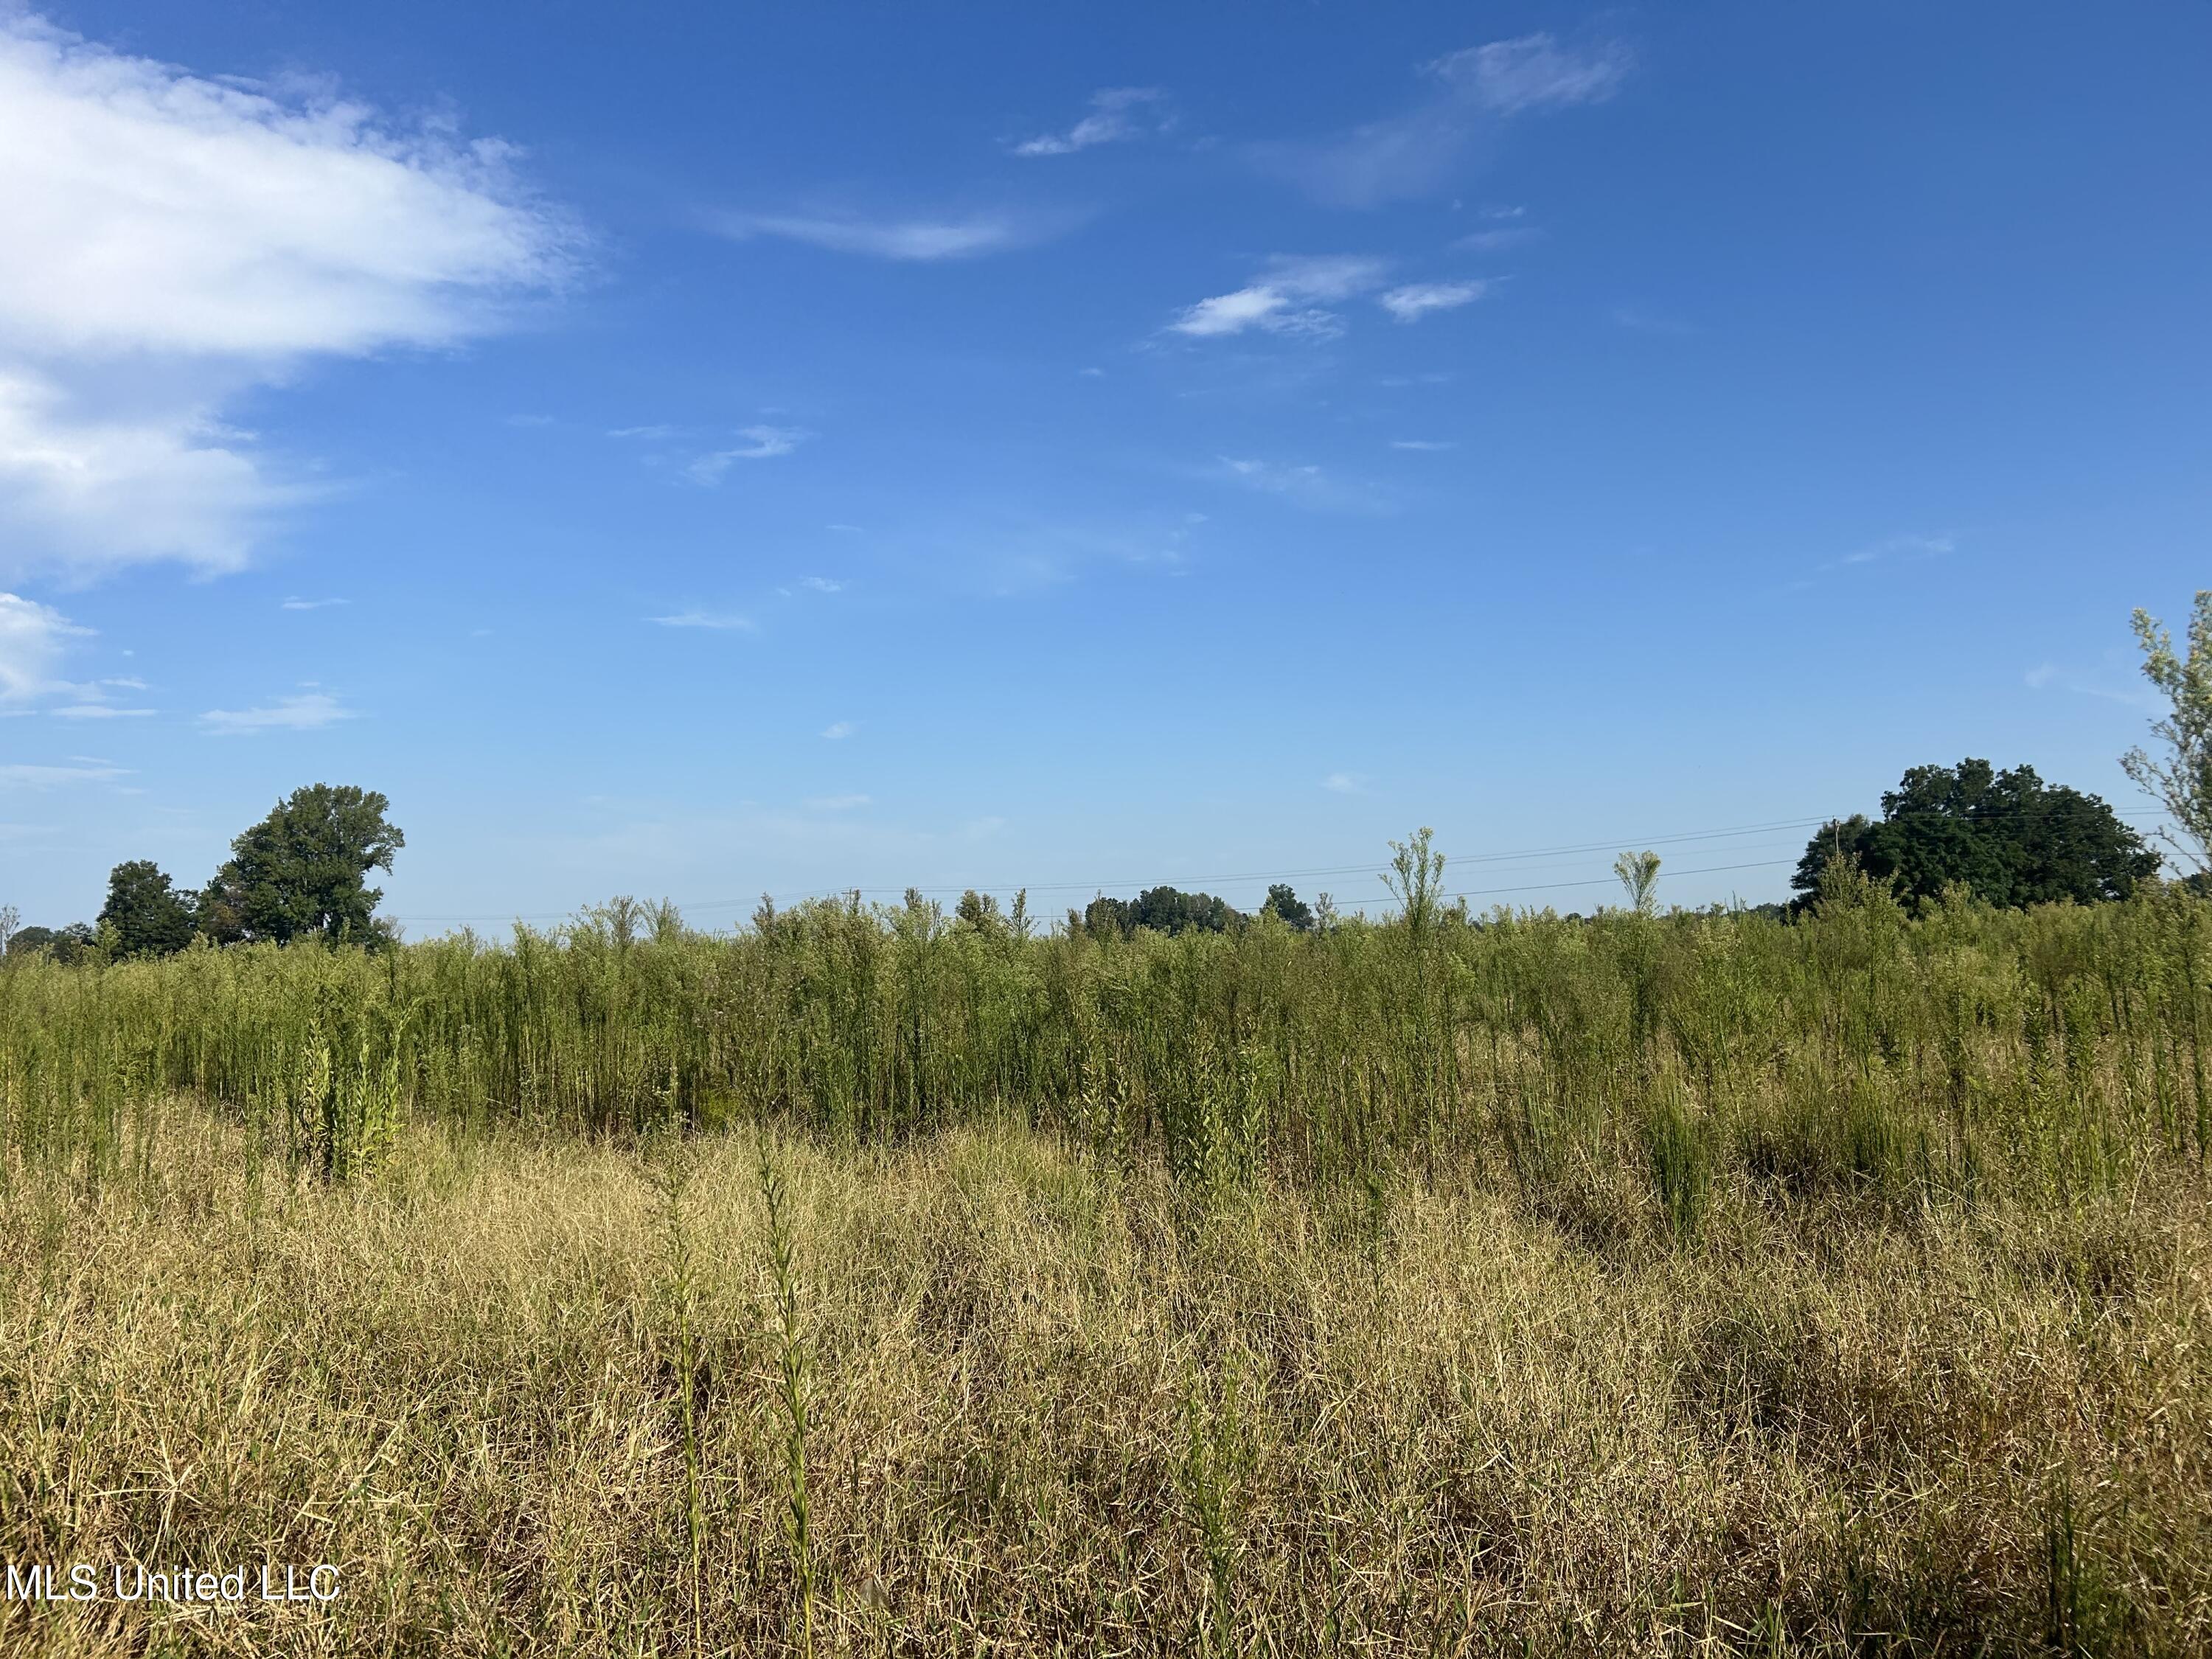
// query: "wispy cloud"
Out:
[958,236]
[1907,546]
[1475,91]
[761,443]
[2111,685]
[1415,300]
[175,241]
[728,622]
[33,639]
[1498,239]
[1303,484]
[1286,298]
[308,711]
[837,730]
[1422,446]
[1641,319]
[311,604]
[1117,115]
[1345,783]
[96,711]
[821,584]
[18,775]
[836,803]
[650,433]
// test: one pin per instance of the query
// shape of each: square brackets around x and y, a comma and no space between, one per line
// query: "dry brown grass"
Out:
[1055,1407]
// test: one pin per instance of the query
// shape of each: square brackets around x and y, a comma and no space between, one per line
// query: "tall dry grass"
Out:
[867,1284]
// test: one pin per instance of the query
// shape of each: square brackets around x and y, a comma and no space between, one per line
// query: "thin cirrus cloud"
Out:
[1117,115]
[176,240]
[1415,300]
[296,603]
[1476,92]
[912,239]
[1423,446]
[308,711]
[837,730]
[761,443]
[719,621]
[1286,298]
[837,803]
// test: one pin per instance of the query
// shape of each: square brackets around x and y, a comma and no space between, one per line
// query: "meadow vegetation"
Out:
[876,1281]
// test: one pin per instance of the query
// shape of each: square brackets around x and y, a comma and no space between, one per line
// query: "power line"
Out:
[1609,844]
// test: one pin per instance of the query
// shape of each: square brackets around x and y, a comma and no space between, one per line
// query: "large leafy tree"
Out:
[303,871]
[1284,902]
[2008,837]
[149,916]
[1163,909]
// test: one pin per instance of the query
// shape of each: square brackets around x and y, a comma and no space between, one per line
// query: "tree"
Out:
[2182,782]
[70,944]
[1162,910]
[1639,879]
[2006,837]
[150,917]
[300,873]
[10,920]
[1285,903]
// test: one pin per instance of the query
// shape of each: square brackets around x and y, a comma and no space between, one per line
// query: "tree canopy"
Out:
[1163,909]
[301,872]
[149,917]
[1284,902]
[2008,837]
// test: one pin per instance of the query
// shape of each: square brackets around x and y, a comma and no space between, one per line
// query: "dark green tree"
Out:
[70,944]
[150,917]
[1284,903]
[2006,837]
[301,872]
[1163,909]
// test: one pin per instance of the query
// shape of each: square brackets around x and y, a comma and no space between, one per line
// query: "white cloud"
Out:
[1283,299]
[1345,783]
[761,443]
[1647,320]
[1908,546]
[96,711]
[172,240]
[1117,114]
[308,711]
[836,803]
[964,237]
[1424,148]
[646,432]
[718,621]
[1415,300]
[311,604]
[1497,241]
[46,777]
[1533,72]
[1423,446]
[821,584]
[33,637]
[837,729]
[1303,484]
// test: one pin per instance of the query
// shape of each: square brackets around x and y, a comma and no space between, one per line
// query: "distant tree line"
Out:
[301,873]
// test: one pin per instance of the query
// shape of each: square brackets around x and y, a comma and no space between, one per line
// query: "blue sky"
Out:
[705,451]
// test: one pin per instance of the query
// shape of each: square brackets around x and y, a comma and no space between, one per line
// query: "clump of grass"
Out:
[794,1382]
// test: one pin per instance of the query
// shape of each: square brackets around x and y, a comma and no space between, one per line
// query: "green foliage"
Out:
[150,917]
[2006,837]
[300,873]
[75,942]
[2182,780]
[1284,902]
[1639,880]
[1415,879]
[1162,910]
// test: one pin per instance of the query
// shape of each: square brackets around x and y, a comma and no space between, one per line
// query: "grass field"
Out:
[861,1284]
